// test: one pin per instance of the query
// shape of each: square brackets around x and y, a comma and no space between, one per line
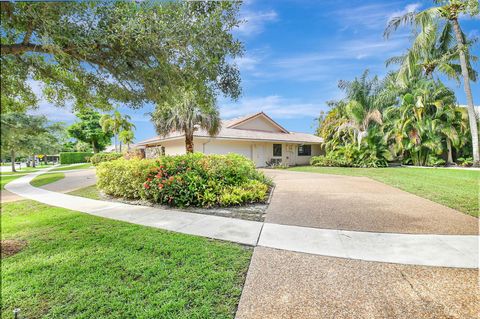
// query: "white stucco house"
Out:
[256,136]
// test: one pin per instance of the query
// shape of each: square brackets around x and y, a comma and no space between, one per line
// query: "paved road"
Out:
[359,203]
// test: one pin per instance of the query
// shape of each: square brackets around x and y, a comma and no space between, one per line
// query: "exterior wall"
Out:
[259,152]
[259,124]
[176,147]
[214,146]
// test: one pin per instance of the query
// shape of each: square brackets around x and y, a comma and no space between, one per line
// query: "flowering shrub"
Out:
[186,180]
[104,157]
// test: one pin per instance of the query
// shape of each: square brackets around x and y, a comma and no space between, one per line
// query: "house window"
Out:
[277,150]
[304,150]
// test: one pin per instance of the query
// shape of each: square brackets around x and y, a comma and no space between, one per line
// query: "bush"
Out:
[185,180]
[104,157]
[74,157]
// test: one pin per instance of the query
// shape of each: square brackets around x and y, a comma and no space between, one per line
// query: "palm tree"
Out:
[185,113]
[417,127]
[126,137]
[115,124]
[364,100]
[448,10]
[431,51]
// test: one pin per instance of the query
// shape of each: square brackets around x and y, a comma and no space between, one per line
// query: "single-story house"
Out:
[256,136]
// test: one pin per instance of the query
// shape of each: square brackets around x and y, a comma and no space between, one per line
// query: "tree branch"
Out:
[20,48]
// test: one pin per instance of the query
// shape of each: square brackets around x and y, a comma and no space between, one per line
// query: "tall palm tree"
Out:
[185,113]
[116,123]
[449,11]
[431,51]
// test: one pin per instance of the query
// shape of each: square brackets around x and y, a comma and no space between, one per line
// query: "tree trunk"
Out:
[449,148]
[120,146]
[94,148]
[189,143]
[468,91]
[33,160]
[12,155]
[116,150]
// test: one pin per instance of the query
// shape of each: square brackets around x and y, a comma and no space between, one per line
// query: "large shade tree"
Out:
[449,12]
[104,52]
[29,135]
[88,130]
[186,113]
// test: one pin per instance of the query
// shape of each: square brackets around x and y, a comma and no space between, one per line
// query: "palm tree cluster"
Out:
[120,126]
[410,116]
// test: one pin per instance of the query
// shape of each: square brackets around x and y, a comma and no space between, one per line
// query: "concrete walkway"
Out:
[430,250]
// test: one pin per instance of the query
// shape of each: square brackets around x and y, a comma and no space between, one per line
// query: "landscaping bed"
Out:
[255,212]
[192,180]
[81,266]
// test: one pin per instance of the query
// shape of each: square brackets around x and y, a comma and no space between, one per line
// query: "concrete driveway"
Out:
[359,203]
[73,180]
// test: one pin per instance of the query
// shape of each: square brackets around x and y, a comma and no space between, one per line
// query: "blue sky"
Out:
[296,52]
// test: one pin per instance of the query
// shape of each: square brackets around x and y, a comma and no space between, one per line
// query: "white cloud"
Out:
[407,9]
[52,112]
[274,105]
[254,22]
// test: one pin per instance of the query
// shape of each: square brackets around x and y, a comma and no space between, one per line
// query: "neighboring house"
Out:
[257,137]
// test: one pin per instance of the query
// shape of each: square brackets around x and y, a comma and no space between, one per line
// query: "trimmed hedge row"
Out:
[185,180]
[104,157]
[75,157]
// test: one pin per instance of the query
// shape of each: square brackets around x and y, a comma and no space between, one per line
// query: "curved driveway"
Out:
[359,204]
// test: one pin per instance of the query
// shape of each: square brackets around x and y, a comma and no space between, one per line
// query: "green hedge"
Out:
[75,157]
[185,180]
[104,157]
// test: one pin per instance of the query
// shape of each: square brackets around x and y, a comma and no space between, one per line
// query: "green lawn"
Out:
[87,192]
[457,189]
[7,179]
[45,179]
[74,166]
[81,266]
[26,170]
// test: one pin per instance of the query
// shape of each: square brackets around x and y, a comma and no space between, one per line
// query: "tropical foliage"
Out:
[185,180]
[410,116]
[120,126]
[440,45]
[186,113]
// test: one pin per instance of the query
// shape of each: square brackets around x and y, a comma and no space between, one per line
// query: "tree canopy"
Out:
[102,52]
[89,130]
[24,134]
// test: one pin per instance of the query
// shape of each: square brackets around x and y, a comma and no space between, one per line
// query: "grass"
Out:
[457,189]
[81,266]
[88,192]
[45,179]
[7,179]
[74,166]
[25,170]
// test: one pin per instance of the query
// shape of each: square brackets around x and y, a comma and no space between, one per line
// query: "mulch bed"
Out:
[11,247]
